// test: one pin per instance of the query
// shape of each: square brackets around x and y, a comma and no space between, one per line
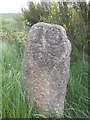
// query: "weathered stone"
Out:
[46,67]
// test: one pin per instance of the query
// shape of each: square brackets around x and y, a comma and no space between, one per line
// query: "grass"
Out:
[77,93]
[13,95]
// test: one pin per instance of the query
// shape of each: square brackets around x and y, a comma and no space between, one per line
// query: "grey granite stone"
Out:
[46,67]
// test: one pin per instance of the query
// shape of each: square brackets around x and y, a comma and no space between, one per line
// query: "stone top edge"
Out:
[56,26]
[49,25]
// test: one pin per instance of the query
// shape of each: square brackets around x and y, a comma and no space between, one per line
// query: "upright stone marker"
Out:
[46,67]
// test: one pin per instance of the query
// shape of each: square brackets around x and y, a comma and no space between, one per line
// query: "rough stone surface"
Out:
[46,67]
